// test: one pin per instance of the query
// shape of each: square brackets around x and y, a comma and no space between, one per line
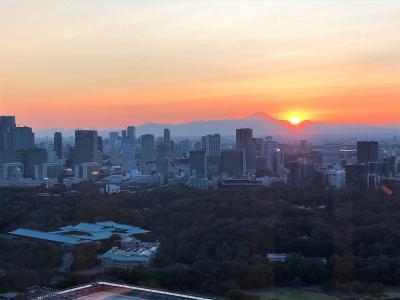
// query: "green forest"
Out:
[215,242]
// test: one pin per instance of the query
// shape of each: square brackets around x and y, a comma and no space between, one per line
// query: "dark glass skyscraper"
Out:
[233,162]
[198,163]
[167,138]
[148,148]
[245,141]
[357,176]
[100,147]
[7,129]
[85,146]
[31,157]
[58,146]
[24,138]
[13,138]
[367,151]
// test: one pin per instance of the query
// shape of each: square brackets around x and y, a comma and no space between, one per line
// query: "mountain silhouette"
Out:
[261,123]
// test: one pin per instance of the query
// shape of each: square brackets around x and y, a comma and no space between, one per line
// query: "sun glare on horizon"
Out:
[294,120]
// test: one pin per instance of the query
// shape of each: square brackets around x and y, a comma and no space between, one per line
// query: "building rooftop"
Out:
[82,232]
[140,255]
[48,236]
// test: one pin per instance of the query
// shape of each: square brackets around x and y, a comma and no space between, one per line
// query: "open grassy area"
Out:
[391,295]
[295,295]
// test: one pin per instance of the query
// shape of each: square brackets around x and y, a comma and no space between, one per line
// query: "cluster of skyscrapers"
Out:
[123,159]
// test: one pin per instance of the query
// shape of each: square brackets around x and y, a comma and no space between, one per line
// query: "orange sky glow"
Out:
[109,64]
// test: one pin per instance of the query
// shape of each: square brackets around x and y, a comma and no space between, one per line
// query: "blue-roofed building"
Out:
[73,235]
[47,236]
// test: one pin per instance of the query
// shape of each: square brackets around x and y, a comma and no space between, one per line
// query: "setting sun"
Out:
[294,120]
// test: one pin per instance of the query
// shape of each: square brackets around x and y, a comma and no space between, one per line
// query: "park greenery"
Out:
[215,242]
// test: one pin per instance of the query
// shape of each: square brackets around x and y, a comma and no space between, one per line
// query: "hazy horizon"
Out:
[208,120]
[262,125]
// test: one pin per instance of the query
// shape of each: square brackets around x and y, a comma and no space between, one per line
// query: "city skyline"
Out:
[74,64]
[199,149]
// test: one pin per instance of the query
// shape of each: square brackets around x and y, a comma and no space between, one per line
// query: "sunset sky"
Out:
[107,64]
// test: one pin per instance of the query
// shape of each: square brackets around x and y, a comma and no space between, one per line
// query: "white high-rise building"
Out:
[211,143]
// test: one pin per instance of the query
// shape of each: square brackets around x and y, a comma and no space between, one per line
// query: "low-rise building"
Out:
[336,178]
[87,171]
[48,170]
[113,189]
[129,242]
[81,233]
[276,257]
[128,259]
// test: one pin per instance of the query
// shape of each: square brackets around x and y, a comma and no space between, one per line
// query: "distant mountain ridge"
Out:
[261,123]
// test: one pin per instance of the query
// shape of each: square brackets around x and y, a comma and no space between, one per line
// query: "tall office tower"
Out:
[211,143]
[159,140]
[100,147]
[233,163]
[356,176]
[161,152]
[31,157]
[162,160]
[100,150]
[167,138]
[393,161]
[58,146]
[172,147]
[270,151]
[367,151]
[278,162]
[294,178]
[113,138]
[381,168]
[128,148]
[183,148]
[198,163]
[71,157]
[7,129]
[330,155]
[300,173]
[197,146]
[259,146]
[113,147]
[85,146]
[244,141]
[148,149]
[131,133]
[24,138]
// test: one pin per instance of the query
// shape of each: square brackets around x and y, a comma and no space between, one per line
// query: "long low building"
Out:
[81,233]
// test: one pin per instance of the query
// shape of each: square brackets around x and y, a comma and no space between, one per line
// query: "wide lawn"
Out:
[391,295]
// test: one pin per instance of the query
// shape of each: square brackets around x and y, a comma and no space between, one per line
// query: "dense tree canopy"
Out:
[216,241]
